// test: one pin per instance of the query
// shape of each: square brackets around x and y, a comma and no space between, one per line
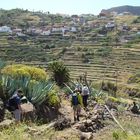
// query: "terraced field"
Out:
[100,62]
[120,62]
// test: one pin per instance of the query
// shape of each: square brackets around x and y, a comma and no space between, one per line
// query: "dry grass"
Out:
[125,19]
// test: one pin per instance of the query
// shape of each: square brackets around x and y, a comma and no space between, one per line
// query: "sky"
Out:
[66,6]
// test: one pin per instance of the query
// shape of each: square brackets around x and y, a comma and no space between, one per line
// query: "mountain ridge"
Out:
[135,10]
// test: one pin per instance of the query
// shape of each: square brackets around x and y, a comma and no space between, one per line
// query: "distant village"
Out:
[77,25]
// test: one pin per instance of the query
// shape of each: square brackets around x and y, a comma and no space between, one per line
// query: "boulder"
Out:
[86,136]
[62,123]
[6,123]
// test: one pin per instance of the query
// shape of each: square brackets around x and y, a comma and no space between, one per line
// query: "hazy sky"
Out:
[66,6]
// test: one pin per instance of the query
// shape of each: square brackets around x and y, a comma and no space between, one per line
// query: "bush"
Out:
[110,87]
[128,46]
[134,79]
[104,51]
[119,135]
[24,71]
[53,98]
[137,20]
[113,99]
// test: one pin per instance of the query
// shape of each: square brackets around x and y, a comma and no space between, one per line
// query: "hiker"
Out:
[15,105]
[85,94]
[76,102]
[135,108]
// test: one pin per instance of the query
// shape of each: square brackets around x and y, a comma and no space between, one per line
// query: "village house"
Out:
[56,29]
[73,29]
[110,25]
[20,35]
[47,32]
[5,29]
[34,31]
[17,30]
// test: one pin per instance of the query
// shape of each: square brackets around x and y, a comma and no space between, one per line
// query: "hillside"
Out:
[135,10]
[102,52]
[95,50]
[24,18]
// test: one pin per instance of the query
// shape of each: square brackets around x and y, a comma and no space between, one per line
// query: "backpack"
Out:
[75,100]
[11,104]
[85,91]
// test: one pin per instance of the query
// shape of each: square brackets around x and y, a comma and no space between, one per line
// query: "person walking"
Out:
[85,95]
[76,103]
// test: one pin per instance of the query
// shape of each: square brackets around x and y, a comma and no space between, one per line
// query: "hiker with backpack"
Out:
[14,105]
[76,103]
[135,108]
[85,94]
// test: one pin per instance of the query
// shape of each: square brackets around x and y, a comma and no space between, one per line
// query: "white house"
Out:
[5,29]
[110,25]
[48,32]
[17,30]
[73,29]
[56,29]
[65,29]
[20,34]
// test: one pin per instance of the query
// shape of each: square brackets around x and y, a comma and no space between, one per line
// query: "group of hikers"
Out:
[79,98]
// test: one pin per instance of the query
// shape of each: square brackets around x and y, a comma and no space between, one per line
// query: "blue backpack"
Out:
[75,100]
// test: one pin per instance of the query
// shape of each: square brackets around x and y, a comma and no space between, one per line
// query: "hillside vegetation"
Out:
[48,55]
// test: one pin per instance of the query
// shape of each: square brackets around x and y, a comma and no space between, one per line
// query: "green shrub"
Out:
[137,20]
[103,51]
[134,79]
[113,99]
[128,46]
[119,135]
[79,48]
[110,87]
[53,98]
[19,70]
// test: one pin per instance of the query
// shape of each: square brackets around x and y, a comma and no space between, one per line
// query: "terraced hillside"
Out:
[35,48]
[98,52]
[118,64]
[100,62]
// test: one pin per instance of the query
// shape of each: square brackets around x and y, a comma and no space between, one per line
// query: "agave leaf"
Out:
[41,93]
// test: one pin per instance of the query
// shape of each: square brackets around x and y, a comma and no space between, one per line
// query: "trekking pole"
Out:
[114,118]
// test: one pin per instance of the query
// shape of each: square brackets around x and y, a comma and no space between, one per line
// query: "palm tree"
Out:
[60,73]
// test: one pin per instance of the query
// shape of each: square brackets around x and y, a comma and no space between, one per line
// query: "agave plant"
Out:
[97,93]
[7,86]
[10,84]
[2,64]
[35,91]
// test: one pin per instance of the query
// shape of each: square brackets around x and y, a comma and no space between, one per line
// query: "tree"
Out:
[59,72]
